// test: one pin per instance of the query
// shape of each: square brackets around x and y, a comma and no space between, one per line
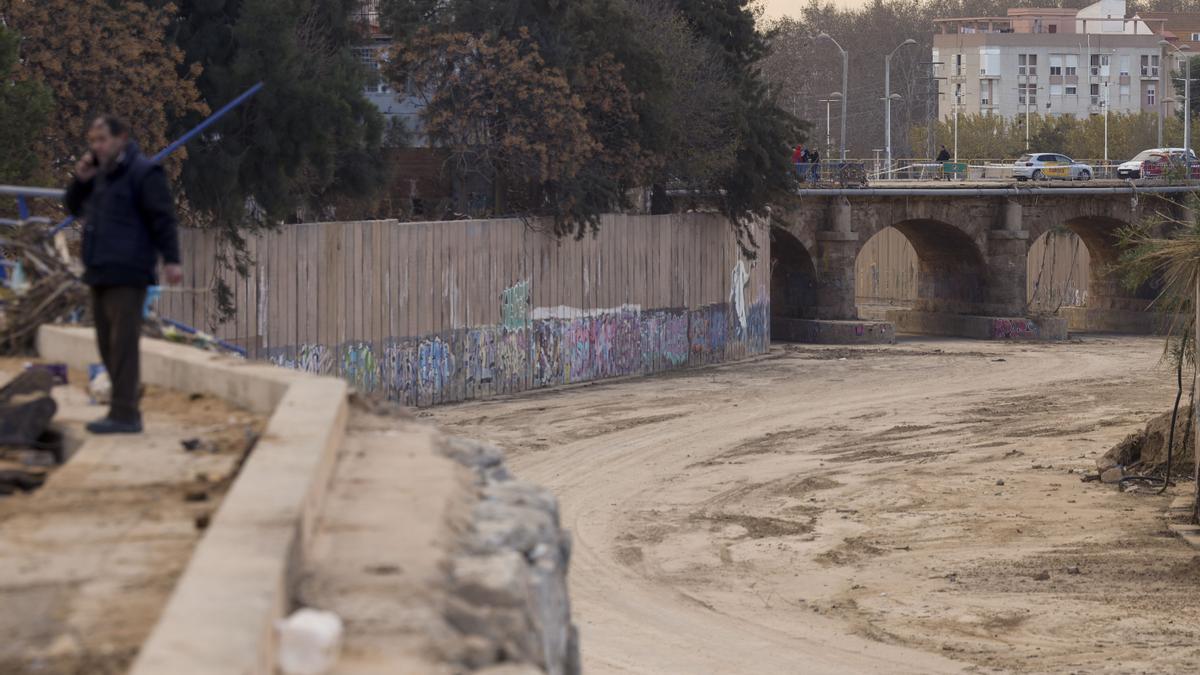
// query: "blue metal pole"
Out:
[192,331]
[212,119]
[22,208]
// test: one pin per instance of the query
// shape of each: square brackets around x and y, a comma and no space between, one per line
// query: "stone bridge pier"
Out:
[972,246]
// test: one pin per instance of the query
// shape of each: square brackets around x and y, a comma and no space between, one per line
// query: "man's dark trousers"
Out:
[118,314]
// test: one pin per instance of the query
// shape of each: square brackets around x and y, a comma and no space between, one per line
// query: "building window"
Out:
[1027,94]
[1124,91]
[370,57]
[1149,65]
[1053,28]
[1095,93]
[1125,65]
[989,60]
[1099,65]
[1056,64]
[1072,66]
[1195,37]
[1072,90]
[1027,64]
[1150,98]
[1056,90]
[958,64]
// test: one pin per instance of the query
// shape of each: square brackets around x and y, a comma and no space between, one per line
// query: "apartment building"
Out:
[1181,28]
[400,106]
[1050,62]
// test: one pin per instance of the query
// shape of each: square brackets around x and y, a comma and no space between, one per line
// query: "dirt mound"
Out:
[1147,448]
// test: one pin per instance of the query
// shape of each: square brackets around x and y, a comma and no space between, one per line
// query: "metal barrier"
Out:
[844,174]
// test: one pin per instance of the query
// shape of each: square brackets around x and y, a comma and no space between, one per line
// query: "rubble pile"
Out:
[1144,452]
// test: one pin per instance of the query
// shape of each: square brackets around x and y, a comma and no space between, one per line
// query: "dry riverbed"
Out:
[915,508]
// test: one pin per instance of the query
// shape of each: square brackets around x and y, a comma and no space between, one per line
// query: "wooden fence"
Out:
[445,311]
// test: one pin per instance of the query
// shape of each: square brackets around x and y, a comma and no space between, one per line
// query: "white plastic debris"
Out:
[309,642]
[100,388]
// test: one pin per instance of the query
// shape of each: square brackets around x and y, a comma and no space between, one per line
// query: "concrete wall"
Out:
[429,313]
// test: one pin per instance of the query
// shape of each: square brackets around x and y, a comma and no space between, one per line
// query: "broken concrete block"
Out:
[497,580]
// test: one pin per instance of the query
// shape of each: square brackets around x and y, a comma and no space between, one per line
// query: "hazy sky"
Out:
[778,8]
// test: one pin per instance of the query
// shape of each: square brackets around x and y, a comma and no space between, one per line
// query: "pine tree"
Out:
[308,140]
[762,172]
[25,107]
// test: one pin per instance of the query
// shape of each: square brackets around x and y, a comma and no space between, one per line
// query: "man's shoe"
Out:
[111,426]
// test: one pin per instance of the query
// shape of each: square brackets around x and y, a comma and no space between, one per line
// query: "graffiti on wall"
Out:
[308,358]
[360,367]
[514,306]
[544,346]
[738,280]
[1014,329]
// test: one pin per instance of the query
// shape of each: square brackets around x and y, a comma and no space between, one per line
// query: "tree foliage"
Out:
[99,57]
[670,95]
[998,138]
[309,139]
[25,108]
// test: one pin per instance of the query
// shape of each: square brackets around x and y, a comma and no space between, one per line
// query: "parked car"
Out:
[1047,165]
[1155,162]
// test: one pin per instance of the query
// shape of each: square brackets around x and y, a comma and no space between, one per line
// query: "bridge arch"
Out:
[793,277]
[951,271]
[1057,271]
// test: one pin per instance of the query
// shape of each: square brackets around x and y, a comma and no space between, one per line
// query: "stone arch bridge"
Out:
[972,245]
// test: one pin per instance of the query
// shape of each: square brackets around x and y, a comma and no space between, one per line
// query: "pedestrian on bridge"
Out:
[814,166]
[129,224]
[800,158]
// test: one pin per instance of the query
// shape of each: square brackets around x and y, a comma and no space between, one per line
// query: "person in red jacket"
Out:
[800,160]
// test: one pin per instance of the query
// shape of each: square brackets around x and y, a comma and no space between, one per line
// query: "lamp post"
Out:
[1106,168]
[887,98]
[845,88]
[957,104]
[835,96]
[1162,88]
[1187,96]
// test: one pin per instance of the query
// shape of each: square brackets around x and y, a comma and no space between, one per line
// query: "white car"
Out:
[1047,165]
[1153,162]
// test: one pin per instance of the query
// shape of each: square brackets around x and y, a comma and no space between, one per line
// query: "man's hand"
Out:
[85,168]
[173,274]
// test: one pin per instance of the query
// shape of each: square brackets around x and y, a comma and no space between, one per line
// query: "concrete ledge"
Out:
[820,331]
[1095,320]
[253,386]
[220,617]
[979,327]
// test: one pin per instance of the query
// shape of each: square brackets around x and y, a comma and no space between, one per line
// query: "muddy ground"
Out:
[915,508]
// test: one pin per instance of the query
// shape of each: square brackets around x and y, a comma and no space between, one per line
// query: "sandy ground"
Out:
[841,511]
[88,561]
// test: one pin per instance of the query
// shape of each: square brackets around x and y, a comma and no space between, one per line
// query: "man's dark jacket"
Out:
[129,221]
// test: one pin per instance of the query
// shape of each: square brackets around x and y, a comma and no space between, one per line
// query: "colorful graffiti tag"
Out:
[543,347]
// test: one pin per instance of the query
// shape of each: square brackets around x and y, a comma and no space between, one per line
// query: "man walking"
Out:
[129,222]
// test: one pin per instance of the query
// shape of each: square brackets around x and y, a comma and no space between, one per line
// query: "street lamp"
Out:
[1106,166]
[887,98]
[835,96]
[845,87]
[1187,96]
